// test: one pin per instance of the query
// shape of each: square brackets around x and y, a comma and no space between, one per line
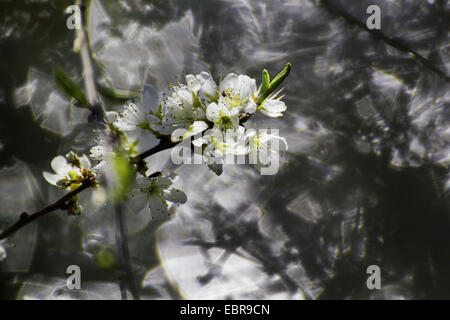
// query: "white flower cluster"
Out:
[199,106]
[216,111]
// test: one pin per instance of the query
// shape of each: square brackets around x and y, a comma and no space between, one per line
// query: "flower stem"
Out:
[126,276]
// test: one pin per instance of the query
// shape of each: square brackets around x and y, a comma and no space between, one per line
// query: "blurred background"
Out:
[365,181]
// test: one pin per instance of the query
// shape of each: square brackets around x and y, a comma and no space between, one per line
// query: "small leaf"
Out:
[70,87]
[120,96]
[274,84]
[197,102]
[265,81]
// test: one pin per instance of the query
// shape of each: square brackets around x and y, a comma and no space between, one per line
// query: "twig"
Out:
[125,265]
[164,144]
[25,218]
[85,53]
[394,42]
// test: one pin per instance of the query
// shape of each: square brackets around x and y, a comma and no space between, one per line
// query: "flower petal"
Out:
[60,165]
[85,162]
[175,195]
[195,128]
[52,178]
[212,112]
[158,207]
[273,108]
[150,99]
[193,83]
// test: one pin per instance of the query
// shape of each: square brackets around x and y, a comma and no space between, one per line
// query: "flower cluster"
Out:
[198,106]
[71,171]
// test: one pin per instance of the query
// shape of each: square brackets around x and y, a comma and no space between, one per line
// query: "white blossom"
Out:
[204,86]
[273,106]
[263,146]
[181,109]
[132,117]
[158,192]
[238,91]
[69,170]
[222,117]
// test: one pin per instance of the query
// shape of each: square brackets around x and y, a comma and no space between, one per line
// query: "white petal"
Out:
[212,112]
[251,106]
[85,162]
[2,253]
[193,83]
[51,177]
[228,83]
[208,85]
[60,165]
[273,108]
[130,117]
[186,95]
[150,99]
[111,116]
[158,208]
[175,195]
[137,201]
[195,128]
[245,86]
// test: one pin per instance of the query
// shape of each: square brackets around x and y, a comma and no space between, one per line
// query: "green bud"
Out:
[70,87]
[265,82]
[119,96]
[106,259]
[273,85]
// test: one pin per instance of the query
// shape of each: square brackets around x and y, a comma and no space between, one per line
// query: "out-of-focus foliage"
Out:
[366,179]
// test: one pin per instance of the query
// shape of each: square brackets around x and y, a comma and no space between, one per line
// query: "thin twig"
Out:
[99,115]
[124,254]
[164,144]
[25,218]
[85,54]
[59,204]
[394,42]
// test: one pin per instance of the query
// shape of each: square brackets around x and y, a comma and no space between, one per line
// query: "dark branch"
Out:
[394,42]
[25,218]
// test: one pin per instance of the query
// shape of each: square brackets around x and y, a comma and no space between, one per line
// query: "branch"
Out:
[25,218]
[394,42]
[88,71]
[164,144]
[124,254]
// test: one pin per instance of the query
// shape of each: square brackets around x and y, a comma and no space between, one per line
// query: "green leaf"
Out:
[265,81]
[70,87]
[274,84]
[197,102]
[120,96]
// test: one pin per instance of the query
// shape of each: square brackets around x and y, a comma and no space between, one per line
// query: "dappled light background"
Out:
[365,180]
